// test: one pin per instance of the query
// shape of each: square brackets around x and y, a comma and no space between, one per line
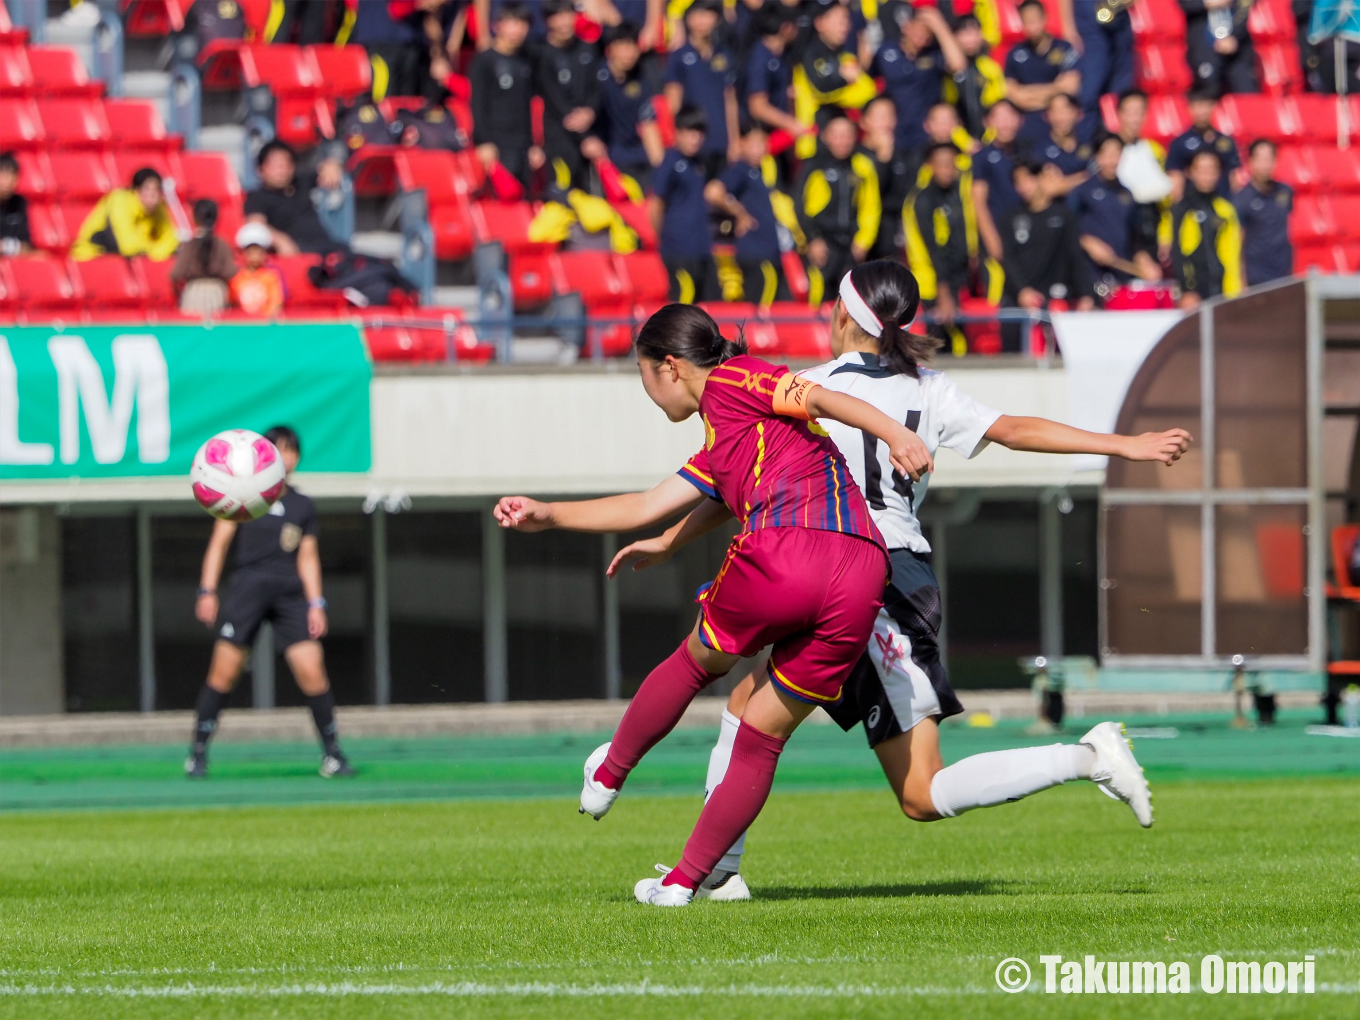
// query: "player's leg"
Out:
[239,616]
[307,662]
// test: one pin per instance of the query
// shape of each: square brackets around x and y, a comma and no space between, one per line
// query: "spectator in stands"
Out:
[304,22]
[896,169]
[1142,164]
[565,79]
[1218,46]
[680,212]
[942,125]
[828,77]
[205,265]
[1114,237]
[1263,207]
[129,221]
[488,13]
[394,36]
[1204,235]
[839,207]
[648,15]
[746,192]
[941,241]
[14,236]
[1044,260]
[257,289]
[1039,68]
[981,84]
[993,191]
[1196,138]
[914,68]
[624,128]
[502,85]
[701,73]
[769,71]
[1106,47]
[283,202]
[1061,148]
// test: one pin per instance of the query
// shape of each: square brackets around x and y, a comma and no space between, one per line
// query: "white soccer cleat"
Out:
[724,887]
[1117,771]
[596,798]
[651,892]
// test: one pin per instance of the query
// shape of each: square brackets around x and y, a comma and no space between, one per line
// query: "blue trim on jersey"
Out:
[699,484]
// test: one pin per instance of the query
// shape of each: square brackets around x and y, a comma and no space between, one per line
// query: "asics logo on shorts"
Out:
[875,714]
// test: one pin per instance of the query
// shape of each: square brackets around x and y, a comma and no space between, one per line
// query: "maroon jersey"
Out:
[770,470]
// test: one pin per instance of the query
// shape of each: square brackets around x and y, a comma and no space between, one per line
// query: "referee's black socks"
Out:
[323,714]
[210,704]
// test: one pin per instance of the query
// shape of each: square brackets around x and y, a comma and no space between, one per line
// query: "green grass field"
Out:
[455,878]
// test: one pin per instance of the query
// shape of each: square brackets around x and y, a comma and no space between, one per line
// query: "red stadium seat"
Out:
[154,18]
[35,174]
[285,68]
[1297,167]
[137,124]
[1313,222]
[1271,21]
[506,222]
[127,162]
[1338,170]
[1316,117]
[345,71]
[453,230]
[1248,117]
[665,120]
[590,274]
[47,227]
[1281,72]
[59,71]
[803,332]
[75,211]
[1325,258]
[301,292]
[208,175]
[438,173]
[1167,117]
[38,283]
[16,77]
[373,170]
[82,175]
[1161,67]
[153,280]
[74,123]
[107,283]
[643,277]
[531,280]
[399,343]
[20,125]
[1346,214]
[795,275]
[1158,19]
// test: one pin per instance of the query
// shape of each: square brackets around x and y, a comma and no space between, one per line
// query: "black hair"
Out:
[1128,94]
[771,18]
[1031,3]
[282,435]
[891,292]
[1251,150]
[552,7]
[752,126]
[691,118]
[689,333]
[1206,152]
[967,21]
[1201,95]
[273,146]
[1004,102]
[1105,136]
[513,10]
[712,6]
[10,162]
[143,175]
[1074,100]
[205,219]
[1030,166]
[929,154]
[624,31]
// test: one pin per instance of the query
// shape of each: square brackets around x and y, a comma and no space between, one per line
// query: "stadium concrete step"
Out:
[228,139]
[456,297]
[152,85]
[381,244]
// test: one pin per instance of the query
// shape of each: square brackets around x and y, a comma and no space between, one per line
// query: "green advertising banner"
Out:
[129,401]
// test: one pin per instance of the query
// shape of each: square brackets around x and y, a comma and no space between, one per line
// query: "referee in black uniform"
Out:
[276,577]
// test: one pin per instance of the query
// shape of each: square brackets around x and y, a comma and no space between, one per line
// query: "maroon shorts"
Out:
[812,594]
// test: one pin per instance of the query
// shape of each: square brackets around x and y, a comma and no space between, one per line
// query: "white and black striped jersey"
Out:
[931,406]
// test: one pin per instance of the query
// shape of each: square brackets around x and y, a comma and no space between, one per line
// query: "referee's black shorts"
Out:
[255,596]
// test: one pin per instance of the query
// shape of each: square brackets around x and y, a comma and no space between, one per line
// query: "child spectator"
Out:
[1204,235]
[1061,148]
[993,175]
[204,266]
[981,84]
[129,221]
[1117,245]
[565,79]
[502,85]
[624,129]
[257,288]
[14,235]
[1039,68]
[1199,137]
[748,183]
[828,78]
[1218,46]
[839,207]
[700,73]
[769,70]
[1044,260]
[1263,207]
[914,68]
[680,212]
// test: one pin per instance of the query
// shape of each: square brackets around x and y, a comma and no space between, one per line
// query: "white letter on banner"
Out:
[12,449]
[140,377]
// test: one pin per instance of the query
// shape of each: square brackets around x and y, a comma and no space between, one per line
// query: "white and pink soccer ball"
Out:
[237,475]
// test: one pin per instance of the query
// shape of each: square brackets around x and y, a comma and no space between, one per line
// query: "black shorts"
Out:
[900,680]
[253,597]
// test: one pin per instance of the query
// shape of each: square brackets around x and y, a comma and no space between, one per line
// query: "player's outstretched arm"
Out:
[1039,435]
[205,609]
[905,448]
[649,552]
[627,512]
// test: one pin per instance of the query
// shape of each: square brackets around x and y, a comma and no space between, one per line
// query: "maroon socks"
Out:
[731,808]
[653,712]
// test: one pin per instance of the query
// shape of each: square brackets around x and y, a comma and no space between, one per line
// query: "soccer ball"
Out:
[237,475]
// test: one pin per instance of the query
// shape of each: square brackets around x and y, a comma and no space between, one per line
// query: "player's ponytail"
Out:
[888,293]
[687,332]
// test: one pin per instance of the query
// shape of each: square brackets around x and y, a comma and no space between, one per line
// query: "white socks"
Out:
[717,768]
[997,777]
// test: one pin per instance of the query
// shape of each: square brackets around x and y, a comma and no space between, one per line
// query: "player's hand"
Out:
[745,224]
[817,252]
[644,553]
[1163,447]
[909,454]
[858,252]
[317,625]
[205,609]
[523,514]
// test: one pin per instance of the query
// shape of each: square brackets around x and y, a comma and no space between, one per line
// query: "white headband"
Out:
[859,311]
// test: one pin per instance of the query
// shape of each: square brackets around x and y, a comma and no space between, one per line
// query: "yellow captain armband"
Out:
[791,396]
